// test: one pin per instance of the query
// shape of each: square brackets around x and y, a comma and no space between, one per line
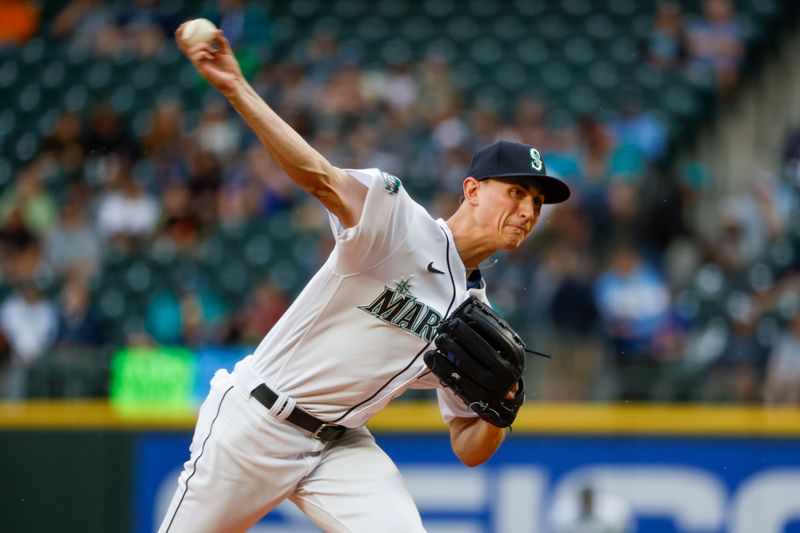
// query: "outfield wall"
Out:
[86,467]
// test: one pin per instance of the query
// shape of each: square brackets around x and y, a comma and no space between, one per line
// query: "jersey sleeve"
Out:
[384,224]
[451,406]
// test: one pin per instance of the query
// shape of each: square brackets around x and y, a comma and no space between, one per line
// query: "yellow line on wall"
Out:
[407,417]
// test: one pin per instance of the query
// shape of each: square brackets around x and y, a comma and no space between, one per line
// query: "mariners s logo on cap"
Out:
[536,159]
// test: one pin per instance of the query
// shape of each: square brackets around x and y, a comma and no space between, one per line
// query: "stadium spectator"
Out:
[82,21]
[633,126]
[410,119]
[783,369]
[716,43]
[21,257]
[107,134]
[194,315]
[204,180]
[564,282]
[751,220]
[180,228]
[399,87]
[665,47]
[142,28]
[260,312]
[736,373]
[633,301]
[126,212]
[31,198]
[162,140]
[19,21]
[244,23]
[217,132]
[30,323]
[64,146]
[79,325]
[72,244]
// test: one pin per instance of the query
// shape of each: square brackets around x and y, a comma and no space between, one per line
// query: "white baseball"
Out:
[198,31]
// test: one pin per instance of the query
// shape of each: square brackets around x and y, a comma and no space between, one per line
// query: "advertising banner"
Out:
[540,484]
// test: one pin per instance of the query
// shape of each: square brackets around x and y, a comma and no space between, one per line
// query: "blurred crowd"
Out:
[610,283]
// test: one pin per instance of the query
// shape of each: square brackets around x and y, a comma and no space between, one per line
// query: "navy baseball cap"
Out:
[507,159]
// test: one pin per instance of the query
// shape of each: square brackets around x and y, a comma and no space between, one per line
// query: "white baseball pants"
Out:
[243,462]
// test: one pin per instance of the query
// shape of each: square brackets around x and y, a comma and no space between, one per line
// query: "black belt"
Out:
[319,429]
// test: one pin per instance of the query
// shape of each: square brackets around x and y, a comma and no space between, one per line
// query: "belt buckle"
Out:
[338,430]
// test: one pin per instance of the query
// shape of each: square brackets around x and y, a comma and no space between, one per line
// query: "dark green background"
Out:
[66,481]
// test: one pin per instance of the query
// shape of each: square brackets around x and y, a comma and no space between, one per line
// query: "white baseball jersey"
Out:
[354,338]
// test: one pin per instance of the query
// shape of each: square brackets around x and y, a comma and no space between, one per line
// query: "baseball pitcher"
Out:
[399,304]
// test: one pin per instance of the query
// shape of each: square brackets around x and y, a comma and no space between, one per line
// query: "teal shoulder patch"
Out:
[391,183]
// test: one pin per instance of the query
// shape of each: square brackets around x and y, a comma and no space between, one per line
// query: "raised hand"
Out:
[216,64]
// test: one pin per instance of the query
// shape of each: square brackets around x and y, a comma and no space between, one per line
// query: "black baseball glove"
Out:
[480,358]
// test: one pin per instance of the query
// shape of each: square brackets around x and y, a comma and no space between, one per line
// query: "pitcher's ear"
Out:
[470,189]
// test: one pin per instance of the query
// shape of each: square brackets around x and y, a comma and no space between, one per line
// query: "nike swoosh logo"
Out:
[433,269]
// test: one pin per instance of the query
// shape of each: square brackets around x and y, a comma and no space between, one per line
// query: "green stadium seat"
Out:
[556,77]
[33,52]
[47,121]
[285,30]
[99,74]
[26,146]
[393,8]
[677,98]
[372,29]
[511,76]
[29,97]
[234,279]
[640,26]
[623,8]
[553,27]
[9,73]
[533,52]
[284,275]
[8,121]
[509,28]
[600,27]
[327,24]
[530,9]
[258,250]
[761,8]
[760,276]
[624,51]
[462,29]
[466,75]
[146,75]
[349,9]
[709,282]
[304,252]
[579,51]
[123,99]
[418,29]
[304,8]
[442,48]
[111,302]
[583,99]
[603,75]
[212,252]
[139,276]
[781,254]
[5,179]
[481,9]
[53,74]
[486,51]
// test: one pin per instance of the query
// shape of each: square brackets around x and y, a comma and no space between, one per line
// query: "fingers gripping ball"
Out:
[480,358]
[198,31]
